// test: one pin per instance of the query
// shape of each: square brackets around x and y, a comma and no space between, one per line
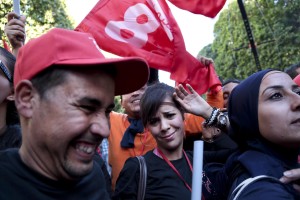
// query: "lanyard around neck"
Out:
[174,168]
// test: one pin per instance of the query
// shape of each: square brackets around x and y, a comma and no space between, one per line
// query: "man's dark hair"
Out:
[291,70]
[231,80]
[56,75]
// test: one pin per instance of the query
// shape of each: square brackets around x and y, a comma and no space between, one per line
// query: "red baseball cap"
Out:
[76,49]
[297,79]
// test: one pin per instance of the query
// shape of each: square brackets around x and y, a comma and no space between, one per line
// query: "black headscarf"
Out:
[243,117]
[243,109]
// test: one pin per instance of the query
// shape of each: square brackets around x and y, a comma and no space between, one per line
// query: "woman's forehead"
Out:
[275,77]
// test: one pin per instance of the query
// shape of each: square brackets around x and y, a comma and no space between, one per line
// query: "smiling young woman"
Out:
[169,166]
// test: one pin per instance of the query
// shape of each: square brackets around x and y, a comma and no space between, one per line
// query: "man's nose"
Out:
[100,125]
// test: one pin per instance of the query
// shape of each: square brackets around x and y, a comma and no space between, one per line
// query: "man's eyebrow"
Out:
[94,102]
[90,101]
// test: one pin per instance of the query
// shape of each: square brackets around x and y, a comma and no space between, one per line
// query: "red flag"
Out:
[209,8]
[5,45]
[147,28]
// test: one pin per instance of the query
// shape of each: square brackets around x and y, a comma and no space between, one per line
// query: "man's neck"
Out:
[134,115]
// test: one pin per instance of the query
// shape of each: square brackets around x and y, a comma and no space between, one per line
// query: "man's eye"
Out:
[297,91]
[88,108]
[107,112]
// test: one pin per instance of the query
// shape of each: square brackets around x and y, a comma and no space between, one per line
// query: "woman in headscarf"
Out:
[264,115]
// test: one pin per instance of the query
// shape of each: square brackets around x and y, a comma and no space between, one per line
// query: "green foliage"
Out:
[275,26]
[41,15]
[208,52]
[118,107]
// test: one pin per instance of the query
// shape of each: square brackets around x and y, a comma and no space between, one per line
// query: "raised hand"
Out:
[205,61]
[15,31]
[192,102]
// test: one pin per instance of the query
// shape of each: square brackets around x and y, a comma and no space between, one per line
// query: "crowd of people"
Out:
[57,100]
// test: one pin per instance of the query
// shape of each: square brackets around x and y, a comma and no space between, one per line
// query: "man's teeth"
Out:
[85,149]
[136,101]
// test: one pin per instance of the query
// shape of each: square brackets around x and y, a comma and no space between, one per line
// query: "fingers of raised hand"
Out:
[180,91]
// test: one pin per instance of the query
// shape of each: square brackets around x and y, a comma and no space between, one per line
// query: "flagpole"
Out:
[16,7]
[197,170]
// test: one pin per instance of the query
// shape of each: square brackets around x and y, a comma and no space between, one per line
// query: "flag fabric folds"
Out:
[209,8]
[147,28]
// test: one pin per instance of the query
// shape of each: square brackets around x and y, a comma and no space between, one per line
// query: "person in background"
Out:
[220,146]
[15,31]
[297,79]
[10,132]
[64,93]
[169,167]
[228,86]
[293,70]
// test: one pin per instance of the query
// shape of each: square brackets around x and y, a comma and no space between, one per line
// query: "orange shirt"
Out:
[144,142]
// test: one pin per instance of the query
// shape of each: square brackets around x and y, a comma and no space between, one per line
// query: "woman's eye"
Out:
[225,96]
[170,115]
[275,96]
[153,121]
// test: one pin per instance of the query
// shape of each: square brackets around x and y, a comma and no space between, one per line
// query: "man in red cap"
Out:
[64,92]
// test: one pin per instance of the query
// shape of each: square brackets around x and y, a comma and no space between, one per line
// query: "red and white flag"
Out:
[147,28]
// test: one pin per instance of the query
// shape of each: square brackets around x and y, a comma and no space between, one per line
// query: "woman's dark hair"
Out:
[153,98]
[9,60]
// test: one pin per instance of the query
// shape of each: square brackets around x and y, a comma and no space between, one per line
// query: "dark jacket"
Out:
[11,138]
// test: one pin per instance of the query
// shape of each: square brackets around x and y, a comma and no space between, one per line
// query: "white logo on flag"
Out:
[138,22]
[162,17]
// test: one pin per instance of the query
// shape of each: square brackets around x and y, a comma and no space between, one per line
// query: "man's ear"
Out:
[24,98]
